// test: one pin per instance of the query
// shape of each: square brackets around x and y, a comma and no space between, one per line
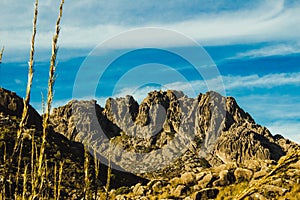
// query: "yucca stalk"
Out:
[30,74]
[49,95]
[1,54]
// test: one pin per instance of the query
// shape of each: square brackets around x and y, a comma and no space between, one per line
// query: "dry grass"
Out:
[51,81]
[32,174]
[38,164]
[30,74]
[283,162]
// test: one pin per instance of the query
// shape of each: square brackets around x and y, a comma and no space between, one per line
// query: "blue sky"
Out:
[254,44]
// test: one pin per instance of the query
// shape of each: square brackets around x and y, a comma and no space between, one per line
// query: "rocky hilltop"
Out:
[169,146]
[215,128]
[59,150]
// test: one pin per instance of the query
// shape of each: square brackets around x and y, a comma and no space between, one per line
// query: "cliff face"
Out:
[169,126]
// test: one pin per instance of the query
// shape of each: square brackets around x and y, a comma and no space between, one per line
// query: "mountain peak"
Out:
[219,130]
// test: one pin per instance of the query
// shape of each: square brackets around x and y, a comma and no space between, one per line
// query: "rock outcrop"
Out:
[11,104]
[197,132]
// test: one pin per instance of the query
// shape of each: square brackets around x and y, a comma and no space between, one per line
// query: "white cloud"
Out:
[287,129]
[266,81]
[267,21]
[273,50]
[18,81]
[229,83]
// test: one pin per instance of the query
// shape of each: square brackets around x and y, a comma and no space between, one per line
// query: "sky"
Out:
[253,46]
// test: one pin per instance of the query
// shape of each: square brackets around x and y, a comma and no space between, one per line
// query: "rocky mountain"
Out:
[59,150]
[169,146]
[210,128]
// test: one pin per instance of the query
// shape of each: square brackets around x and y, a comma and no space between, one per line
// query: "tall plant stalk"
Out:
[51,81]
[97,168]
[32,160]
[30,74]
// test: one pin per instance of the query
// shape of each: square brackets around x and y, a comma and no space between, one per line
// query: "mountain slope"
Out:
[59,151]
[176,148]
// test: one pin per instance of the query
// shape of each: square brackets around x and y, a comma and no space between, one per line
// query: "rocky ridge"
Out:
[217,148]
[215,129]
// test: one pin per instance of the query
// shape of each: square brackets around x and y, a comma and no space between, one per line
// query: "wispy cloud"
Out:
[273,50]
[264,22]
[234,82]
[229,83]
[86,24]
[18,81]
[266,81]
